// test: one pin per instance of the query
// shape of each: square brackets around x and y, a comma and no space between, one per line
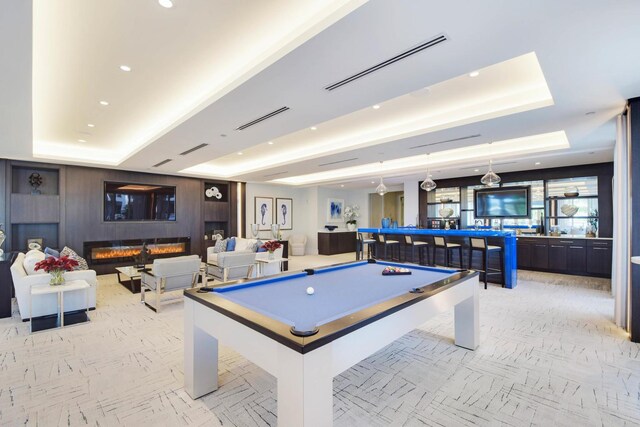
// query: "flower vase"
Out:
[351,227]
[272,255]
[57,277]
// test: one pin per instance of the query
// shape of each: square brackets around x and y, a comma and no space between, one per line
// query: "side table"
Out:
[73,285]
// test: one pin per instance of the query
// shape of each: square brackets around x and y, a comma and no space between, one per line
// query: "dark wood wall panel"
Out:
[634,170]
[26,208]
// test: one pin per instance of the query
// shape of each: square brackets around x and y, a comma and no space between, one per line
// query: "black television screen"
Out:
[504,202]
[139,202]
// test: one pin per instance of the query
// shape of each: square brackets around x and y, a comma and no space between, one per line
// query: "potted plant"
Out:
[56,267]
[271,246]
[350,214]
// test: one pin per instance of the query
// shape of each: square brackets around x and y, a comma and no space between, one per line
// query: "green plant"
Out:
[593,222]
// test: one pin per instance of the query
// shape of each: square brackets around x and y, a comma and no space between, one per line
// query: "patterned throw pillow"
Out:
[254,246]
[82,263]
[220,246]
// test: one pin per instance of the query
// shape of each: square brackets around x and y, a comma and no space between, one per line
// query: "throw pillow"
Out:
[260,248]
[231,244]
[220,246]
[51,252]
[31,259]
[82,263]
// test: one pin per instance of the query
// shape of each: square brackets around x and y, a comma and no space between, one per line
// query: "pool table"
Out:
[306,340]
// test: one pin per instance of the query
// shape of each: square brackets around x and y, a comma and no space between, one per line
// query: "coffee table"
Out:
[72,285]
[133,274]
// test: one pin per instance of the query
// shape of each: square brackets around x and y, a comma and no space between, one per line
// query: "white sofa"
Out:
[244,245]
[169,274]
[44,305]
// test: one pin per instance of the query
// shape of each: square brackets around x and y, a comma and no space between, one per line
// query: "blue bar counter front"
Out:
[509,246]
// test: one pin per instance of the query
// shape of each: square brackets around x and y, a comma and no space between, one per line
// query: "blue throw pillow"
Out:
[231,244]
[51,252]
[260,248]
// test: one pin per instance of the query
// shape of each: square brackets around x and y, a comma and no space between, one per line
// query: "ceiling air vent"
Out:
[191,150]
[445,141]
[165,161]
[275,174]
[338,161]
[484,165]
[263,118]
[407,53]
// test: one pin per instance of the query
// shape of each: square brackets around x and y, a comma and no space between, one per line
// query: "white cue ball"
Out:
[310,290]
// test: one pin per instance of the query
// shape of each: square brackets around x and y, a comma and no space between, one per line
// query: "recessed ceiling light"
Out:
[270,142]
[373,182]
[105,103]
[476,170]
[341,185]
[313,128]
[474,74]
[91,125]
[376,107]
[81,140]
[125,68]
[166,3]
[537,163]
[240,153]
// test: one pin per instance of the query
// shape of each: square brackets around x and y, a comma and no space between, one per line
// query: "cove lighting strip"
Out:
[496,150]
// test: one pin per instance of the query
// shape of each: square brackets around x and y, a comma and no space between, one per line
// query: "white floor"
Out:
[549,355]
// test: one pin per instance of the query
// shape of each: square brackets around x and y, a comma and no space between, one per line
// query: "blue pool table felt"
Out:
[339,291]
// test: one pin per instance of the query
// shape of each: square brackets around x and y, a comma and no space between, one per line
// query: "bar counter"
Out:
[505,239]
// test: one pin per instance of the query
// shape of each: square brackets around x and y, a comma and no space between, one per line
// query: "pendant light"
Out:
[428,184]
[381,189]
[490,178]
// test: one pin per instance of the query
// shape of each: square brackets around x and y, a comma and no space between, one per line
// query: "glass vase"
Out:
[57,277]
[272,255]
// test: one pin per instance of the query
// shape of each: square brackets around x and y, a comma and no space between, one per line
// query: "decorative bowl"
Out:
[330,227]
[445,212]
[569,210]
[571,194]
[446,200]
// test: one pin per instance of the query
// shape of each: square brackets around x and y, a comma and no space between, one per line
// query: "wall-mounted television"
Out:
[139,202]
[503,202]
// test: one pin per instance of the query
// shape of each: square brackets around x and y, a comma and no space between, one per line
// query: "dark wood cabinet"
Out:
[557,257]
[6,283]
[524,254]
[577,257]
[336,242]
[599,258]
[540,256]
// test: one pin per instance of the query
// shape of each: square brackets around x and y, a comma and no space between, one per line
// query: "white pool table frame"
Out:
[305,381]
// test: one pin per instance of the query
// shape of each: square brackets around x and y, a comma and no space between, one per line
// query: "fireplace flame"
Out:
[131,251]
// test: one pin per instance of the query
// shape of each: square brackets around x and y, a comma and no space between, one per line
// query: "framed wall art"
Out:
[335,209]
[263,209]
[284,213]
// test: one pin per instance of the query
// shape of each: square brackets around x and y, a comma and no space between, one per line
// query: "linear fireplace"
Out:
[122,252]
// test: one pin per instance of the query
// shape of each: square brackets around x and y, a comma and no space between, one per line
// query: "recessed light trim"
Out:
[240,153]
[125,68]
[376,107]
[313,128]
[91,125]
[270,142]
[82,140]
[167,4]
[105,103]
[474,74]
[537,163]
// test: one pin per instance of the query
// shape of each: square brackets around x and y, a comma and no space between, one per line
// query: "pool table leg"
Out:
[200,356]
[467,319]
[305,387]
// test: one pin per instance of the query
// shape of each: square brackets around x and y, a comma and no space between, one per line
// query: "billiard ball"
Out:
[310,290]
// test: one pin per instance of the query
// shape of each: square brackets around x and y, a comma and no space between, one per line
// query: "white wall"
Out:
[411,202]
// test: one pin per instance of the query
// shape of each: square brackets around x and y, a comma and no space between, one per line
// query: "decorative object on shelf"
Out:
[35,243]
[275,231]
[386,222]
[213,193]
[271,246]
[335,208]
[446,200]
[330,227]
[571,191]
[490,178]
[263,212]
[35,181]
[255,230]
[3,236]
[593,222]
[589,232]
[284,213]
[569,210]
[350,214]
[143,257]
[428,184]
[445,212]
[56,267]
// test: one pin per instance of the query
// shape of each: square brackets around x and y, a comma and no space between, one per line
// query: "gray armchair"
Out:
[232,266]
[169,274]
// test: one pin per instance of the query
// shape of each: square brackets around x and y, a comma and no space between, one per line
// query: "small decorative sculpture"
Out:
[35,180]
[445,212]
[569,210]
[143,257]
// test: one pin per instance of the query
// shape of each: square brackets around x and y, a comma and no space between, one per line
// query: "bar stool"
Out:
[421,246]
[440,242]
[362,241]
[393,243]
[480,244]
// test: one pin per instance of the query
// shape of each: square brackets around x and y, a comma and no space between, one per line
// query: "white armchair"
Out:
[232,266]
[297,244]
[45,305]
[169,274]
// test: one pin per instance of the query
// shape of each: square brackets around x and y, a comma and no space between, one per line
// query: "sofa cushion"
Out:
[31,259]
[82,263]
[220,246]
[231,244]
[51,252]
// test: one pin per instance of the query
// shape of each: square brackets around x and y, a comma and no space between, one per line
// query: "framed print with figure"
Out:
[284,213]
[263,212]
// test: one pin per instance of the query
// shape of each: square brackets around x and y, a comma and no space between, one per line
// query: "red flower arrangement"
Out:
[52,263]
[272,245]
